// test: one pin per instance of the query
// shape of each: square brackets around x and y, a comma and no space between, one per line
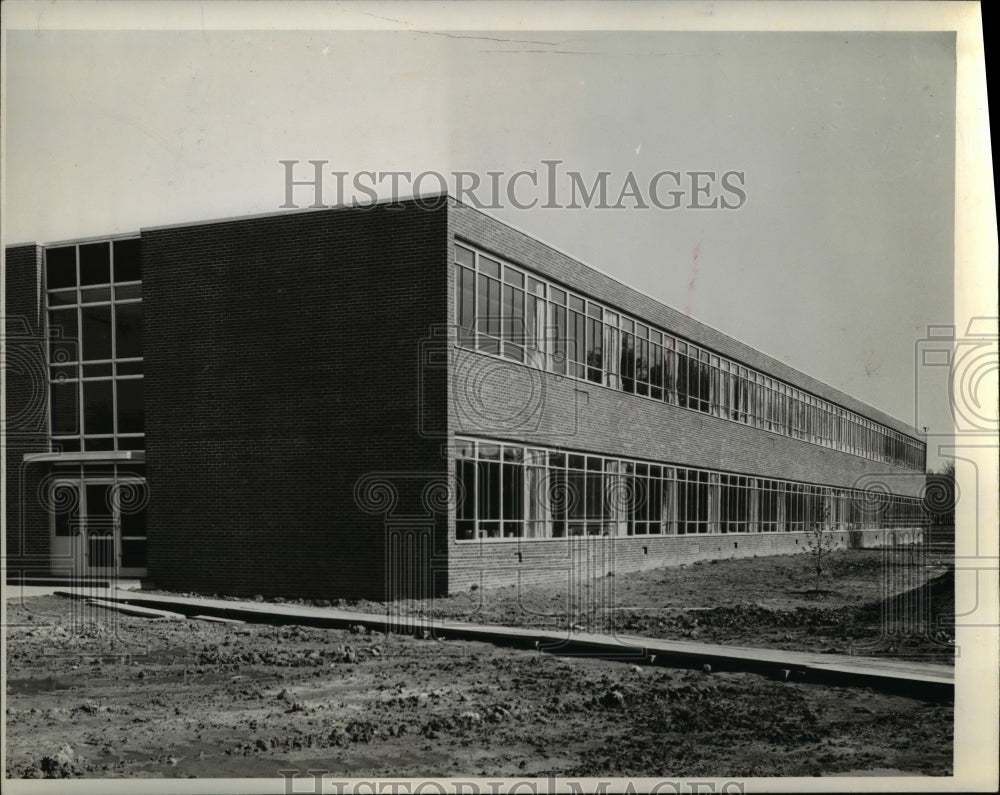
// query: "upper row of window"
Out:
[86,264]
[507,312]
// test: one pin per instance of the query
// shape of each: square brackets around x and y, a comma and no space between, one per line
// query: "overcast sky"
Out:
[837,262]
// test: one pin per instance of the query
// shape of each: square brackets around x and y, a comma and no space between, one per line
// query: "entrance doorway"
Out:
[99,526]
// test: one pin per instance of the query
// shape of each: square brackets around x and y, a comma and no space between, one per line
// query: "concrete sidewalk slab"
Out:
[910,678]
[135,610]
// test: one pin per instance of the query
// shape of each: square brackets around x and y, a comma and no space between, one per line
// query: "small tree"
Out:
[820,542]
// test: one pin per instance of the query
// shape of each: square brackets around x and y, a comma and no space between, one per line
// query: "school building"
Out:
[400,400]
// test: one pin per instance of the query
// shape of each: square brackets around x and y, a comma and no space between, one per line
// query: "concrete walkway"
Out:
[920,679]
[96,589]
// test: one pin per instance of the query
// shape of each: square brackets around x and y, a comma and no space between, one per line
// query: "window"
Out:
[465,291]
[94,301]
[510,492]
[503,310]
[595,343]
[628,364]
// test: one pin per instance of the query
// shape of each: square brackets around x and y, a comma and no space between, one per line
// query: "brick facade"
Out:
[507,401]
[26,422]
[302,388]
[282,355]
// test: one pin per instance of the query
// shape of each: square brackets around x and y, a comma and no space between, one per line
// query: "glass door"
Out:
[99,527]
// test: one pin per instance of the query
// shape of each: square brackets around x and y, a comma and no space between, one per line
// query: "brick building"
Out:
[404,399]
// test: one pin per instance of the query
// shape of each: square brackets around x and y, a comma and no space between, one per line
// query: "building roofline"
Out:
[417,198]
[449,199]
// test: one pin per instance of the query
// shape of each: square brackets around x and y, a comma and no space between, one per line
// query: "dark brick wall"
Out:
[26,421]
[284,363]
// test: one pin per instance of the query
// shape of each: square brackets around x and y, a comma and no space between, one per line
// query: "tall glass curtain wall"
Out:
[94,299]
[93,296]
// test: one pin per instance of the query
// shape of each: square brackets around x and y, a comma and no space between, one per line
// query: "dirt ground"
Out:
[97,694]
[897,604]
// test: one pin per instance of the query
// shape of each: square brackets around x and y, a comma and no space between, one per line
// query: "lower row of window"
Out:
[507,491]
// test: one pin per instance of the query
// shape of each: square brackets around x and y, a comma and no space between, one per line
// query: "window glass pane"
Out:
[128,263]
[102,443]
[513,493]
[513,322]
[130,413]
[62,298]
[96,336]
[133,553]
[576,304]
[488,315]
[128,291]
[131,442]
[514,277]
[464,257]
[60,267]
[97,370]
[627,364]
[95,263]
[98,414]
[489,266]
[465,471]
[559,343]
[128,330]
[595,358]
[466,296]
[65,408]
[491,451]
[63,336]
[65,498]
[488,493]
[128,368]
[98,503]
[93,295]
[101,548]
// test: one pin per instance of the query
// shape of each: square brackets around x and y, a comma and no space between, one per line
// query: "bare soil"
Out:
[893,603]
[97,694]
